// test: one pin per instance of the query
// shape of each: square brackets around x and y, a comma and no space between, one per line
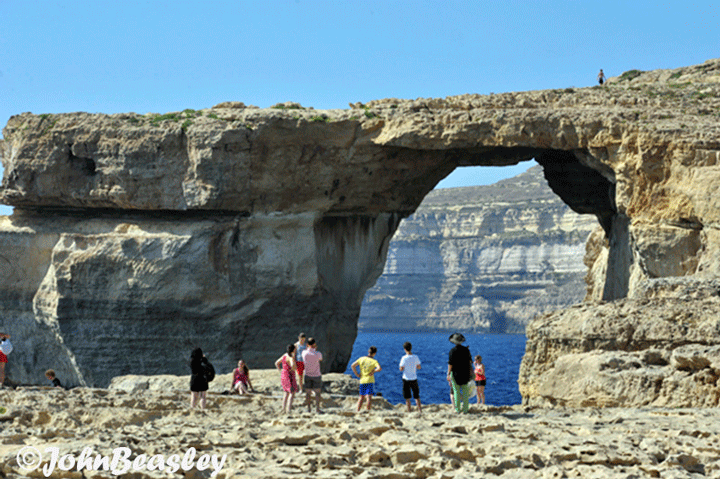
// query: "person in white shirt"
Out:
[409,364]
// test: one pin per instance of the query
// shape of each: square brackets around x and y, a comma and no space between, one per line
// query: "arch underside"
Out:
[583,188]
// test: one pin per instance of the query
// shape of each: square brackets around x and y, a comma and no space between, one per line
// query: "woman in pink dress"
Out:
[286,366]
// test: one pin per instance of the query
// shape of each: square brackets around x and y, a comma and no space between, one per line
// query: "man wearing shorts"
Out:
[313,377]
[409,364]
[368,367]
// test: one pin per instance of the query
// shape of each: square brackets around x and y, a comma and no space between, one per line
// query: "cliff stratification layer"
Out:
[481,259]
[234,228]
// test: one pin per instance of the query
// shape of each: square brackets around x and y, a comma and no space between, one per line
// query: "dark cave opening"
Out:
[584,189]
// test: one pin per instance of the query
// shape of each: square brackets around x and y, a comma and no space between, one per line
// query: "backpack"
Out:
[6,346]
[208,371]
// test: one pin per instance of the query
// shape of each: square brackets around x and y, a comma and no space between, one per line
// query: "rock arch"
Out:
[239,227]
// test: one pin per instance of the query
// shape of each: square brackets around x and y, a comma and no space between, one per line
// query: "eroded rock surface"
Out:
[288,211]
[659,348]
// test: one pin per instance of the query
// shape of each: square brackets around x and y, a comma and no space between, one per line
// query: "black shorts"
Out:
[480,382]
[411,386]
[313,382]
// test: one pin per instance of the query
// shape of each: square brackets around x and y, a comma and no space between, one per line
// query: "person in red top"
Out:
[300,346]
[241,379]
[3,359]
[286,365]
[480,380]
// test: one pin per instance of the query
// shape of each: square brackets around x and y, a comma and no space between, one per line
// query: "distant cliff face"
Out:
[481,259]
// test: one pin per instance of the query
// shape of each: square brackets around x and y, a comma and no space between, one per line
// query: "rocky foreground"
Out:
[150,416]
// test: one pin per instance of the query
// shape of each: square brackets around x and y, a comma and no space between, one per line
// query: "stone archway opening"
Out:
[463,256]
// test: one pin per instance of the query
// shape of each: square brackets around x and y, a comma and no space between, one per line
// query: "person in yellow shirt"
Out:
[368,366]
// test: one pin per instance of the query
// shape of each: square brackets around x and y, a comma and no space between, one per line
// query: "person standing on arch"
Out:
[601,77]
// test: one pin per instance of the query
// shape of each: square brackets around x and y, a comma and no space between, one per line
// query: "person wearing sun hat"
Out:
[459,372]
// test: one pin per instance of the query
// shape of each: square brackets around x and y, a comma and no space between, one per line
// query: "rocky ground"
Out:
[151,416]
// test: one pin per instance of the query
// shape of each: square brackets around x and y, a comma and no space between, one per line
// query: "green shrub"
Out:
[49,127]
[292,106]
[630,74]
[167,116]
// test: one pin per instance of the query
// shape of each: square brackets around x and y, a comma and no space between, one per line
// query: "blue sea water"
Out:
[501,355]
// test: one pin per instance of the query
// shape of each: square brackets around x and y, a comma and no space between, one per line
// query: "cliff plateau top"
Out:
[380,156]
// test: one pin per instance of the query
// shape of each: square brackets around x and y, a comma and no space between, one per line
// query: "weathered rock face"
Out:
[661,348]
[302,204]
[481,259]
[135,294]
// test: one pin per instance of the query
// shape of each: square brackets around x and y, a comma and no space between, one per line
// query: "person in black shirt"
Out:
[198,381]
[50,375]
[459,373]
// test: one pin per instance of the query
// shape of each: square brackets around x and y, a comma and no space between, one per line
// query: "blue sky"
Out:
[162,56]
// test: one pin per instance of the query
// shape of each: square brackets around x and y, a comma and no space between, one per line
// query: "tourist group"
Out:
[299,369]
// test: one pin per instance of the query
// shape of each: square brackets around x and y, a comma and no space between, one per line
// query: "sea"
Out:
[501,355]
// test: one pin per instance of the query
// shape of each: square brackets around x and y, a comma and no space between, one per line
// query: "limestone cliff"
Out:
[235,228]
[481,259]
